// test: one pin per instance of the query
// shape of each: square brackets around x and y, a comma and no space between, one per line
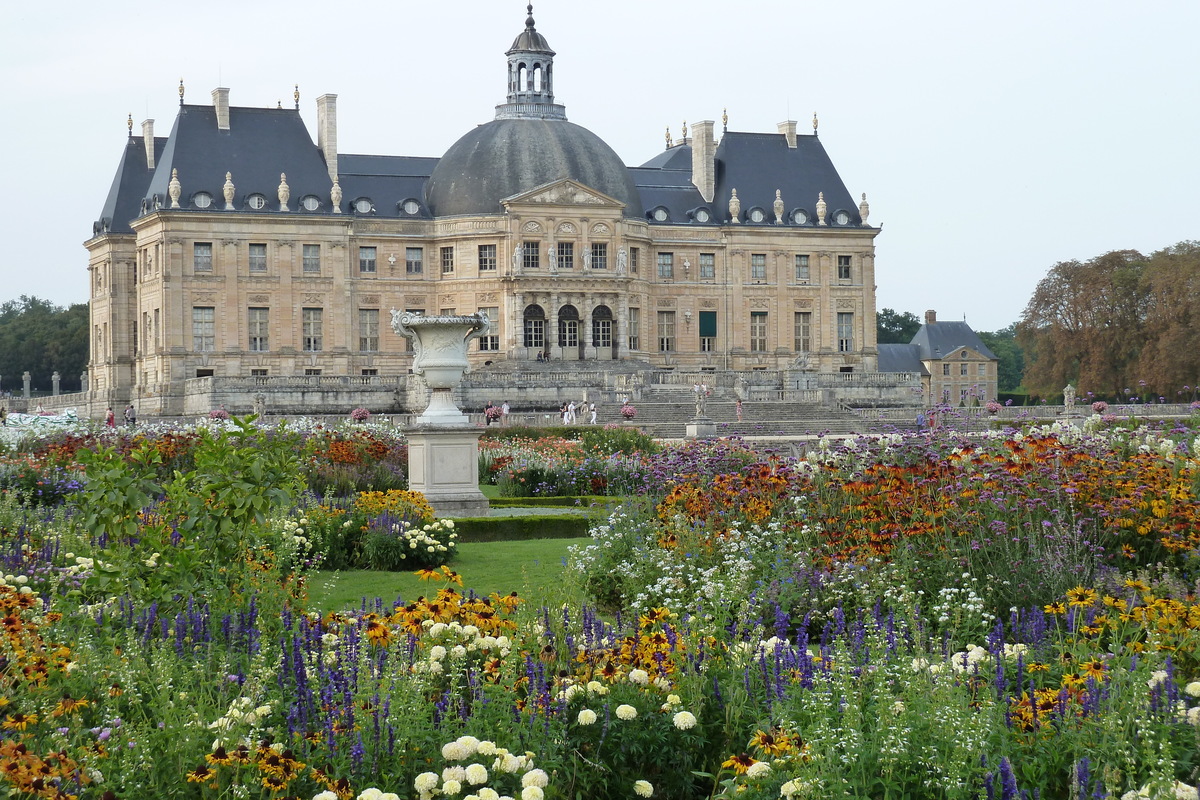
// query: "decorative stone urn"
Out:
[443,445]
[440,357]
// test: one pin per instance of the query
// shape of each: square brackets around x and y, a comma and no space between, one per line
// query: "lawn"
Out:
[533,569]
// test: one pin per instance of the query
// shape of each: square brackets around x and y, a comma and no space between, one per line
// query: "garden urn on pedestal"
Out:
[443,446]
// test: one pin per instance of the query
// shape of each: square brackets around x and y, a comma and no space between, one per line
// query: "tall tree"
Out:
[893,327]
[40,338]
[1121,324]
[1012,358]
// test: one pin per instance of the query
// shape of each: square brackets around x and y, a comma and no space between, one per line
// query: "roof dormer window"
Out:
[202,200]
[363,205]
[256,202]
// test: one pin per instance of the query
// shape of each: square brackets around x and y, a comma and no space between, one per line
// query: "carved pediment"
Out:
[563,193]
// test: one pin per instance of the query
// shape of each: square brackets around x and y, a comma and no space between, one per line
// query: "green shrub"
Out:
[511,529]
[618,439]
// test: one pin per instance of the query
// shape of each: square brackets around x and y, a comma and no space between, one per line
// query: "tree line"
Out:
[41,338]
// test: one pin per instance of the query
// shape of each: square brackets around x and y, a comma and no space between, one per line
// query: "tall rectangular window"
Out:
[566,255]
[312,258]
[490,340]
[802,273]
[635,329]
[313,331]
[535,333]
[530,255]
[204,329]
[708,331]
[447,256]
[962,370]
[843,268]
[803,332]
[634,257]
[666,331]
[666,265]
[368,330]
[708,266]
[599,255]
[845,331]
[982,370]
[414,260]
[945,369]
[258,258]
[758,266]
[202,256]
[487,257]
[260,326]
[366,259]
[758,331]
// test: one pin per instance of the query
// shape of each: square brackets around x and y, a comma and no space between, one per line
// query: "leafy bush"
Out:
[618,439]
[394,543]
[38,486]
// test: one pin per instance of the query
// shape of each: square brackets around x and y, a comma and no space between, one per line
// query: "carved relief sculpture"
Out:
[552,257]
[622,261]
[518,252]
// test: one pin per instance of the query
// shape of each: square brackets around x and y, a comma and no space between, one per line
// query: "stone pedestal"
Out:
[443,465]
[701,428]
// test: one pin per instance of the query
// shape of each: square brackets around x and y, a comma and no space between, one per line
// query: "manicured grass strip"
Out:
[534,569]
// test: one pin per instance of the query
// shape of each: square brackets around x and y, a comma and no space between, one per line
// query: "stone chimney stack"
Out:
[221,104]
[704,159]
[327,132]
[148,138]
[930,317]
[788,129]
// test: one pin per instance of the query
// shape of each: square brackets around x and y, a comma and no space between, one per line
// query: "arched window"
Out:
[535,327]
[537,77]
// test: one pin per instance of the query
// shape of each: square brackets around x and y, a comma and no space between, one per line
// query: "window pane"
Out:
[845,328]
[708,267]
[666,331]
[414,260]
[312,258]
[599,255]
[487,257]
[259,330]
[802,273]
[202,257]
[313,332]
[758,331]
[447,254]
[258,258]
[368,330]
[530,255]
[366,259]
[758,266]
[204,323]
[803,332]
[666,265]
[843,268]
[491,339]
[635,328]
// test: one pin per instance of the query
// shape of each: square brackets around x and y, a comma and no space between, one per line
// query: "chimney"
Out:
[704,159]
[788,129]
[221,104]
[148,138]
[930,317]
[327,132]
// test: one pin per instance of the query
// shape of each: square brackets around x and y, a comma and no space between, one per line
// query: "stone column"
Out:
[55,379]
[28,379]
[552,328]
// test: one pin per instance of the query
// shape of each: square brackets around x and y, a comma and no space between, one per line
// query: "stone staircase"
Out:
[664,411]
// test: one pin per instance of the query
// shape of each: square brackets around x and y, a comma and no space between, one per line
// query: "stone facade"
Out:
[260,289]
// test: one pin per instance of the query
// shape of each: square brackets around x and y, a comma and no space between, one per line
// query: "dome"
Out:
[506,157]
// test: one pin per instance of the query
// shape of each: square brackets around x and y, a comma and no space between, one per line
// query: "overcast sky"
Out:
[992,139]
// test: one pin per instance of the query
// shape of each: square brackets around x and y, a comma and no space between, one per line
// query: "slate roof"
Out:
[756,164]
[901,358]
[128,187]
[937,340]
[260,144]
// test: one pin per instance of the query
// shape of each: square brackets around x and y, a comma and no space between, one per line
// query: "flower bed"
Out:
[973,617]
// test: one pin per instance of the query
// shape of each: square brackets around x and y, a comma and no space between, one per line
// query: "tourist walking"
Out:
[737,407]
[130,415]
[4,415]
[110,419]
[592,411]
[504,413]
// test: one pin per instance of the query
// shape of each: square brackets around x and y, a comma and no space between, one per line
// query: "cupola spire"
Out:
[530,77]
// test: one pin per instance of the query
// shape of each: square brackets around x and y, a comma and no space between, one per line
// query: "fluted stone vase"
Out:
[443,446]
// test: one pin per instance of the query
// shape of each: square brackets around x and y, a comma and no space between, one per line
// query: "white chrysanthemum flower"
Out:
[643,788]
[453,751]
[918,664]
[532,793]
[507,762]
[535,777]
[488,793]
[684,720]
[758,769]
[451,788]
[1157,678]
[425,782]
[586,717]
[673,700]
[1192,689]
[325,795]
[469,743]
[454,773]
[437,653]
[639,676]
[597,688]
[486,748]
[898,707]
[477,774]
[626,712]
